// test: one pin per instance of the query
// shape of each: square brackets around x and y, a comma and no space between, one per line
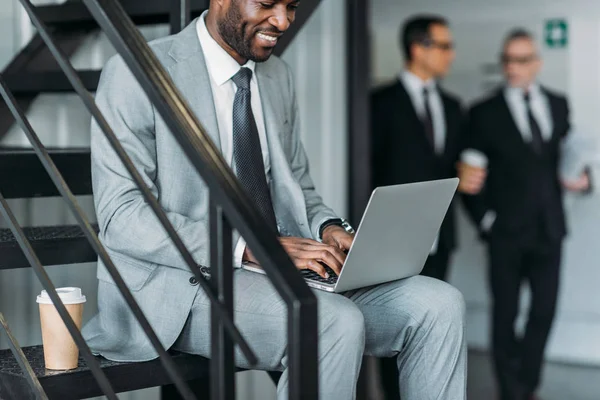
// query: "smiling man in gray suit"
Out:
[245,98]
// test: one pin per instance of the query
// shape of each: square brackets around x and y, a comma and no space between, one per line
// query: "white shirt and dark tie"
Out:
[540,108]
[419,91]
[221,69]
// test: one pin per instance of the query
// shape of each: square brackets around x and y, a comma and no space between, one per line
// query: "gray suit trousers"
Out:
[421,320]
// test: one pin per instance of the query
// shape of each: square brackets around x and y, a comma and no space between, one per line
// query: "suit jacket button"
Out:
[193,281]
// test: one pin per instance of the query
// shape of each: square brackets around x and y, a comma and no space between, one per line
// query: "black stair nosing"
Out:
[30,179]
[35,82]
[76,15]
[80,383]
[54,245]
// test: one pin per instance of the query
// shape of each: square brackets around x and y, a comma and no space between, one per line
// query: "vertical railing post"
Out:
[180,15]
[221,261]
[303,351]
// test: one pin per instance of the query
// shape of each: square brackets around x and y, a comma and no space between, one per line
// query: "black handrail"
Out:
[229,205]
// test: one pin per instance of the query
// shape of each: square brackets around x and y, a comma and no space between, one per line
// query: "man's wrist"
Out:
[328,223]
[339,222]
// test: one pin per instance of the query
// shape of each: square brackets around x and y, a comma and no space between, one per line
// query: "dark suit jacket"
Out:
[401,152]
[522,187]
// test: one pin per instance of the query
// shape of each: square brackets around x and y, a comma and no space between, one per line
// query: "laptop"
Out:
[394,238]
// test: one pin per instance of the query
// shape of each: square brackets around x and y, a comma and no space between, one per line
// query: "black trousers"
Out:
[435,267]
[518,360]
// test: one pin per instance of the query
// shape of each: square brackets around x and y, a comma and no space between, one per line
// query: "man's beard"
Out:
[232,30]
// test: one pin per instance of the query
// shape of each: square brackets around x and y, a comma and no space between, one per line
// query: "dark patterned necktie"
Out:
[428,119]
[247,153]
[537,142]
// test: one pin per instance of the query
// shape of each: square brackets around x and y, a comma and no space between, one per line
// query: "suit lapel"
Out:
[193,81]
[288,198]
[404,99]
[406,103]
[509,116]
[272,104]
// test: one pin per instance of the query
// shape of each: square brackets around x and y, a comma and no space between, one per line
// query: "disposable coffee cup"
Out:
[474,158]
[60,351]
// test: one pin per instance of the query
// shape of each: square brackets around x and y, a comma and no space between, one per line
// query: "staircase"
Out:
[42,67]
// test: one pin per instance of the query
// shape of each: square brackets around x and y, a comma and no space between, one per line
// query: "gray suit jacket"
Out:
[144,255]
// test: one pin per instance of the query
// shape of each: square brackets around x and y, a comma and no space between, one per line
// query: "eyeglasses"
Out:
[445,46]
[506,59]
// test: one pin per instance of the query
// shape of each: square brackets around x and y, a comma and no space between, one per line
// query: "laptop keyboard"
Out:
[313,276]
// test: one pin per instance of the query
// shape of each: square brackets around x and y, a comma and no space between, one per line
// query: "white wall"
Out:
[479,26]
[318,59]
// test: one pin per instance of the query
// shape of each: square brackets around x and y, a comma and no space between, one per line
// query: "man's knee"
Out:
[450,307]
[445,304]
[343,324]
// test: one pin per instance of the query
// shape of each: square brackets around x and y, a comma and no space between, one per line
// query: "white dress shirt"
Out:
[221,68]
[414,86]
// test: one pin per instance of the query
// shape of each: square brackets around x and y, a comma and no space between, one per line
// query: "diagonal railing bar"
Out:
[222,370]
[225,190]
[58,180]
[47,284]
[89,102]
[34,382]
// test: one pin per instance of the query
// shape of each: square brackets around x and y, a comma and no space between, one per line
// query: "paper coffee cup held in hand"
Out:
[60,351]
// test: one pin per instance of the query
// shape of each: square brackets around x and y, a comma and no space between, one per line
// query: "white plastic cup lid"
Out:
[68,295]
[474,158]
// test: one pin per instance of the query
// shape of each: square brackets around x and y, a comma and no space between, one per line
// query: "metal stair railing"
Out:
[230,208]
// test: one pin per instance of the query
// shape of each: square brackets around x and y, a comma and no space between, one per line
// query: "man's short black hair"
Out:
[517,34]
[418,30]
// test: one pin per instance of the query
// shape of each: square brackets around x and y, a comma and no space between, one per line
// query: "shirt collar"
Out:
[221,66]
[534,90]
[416,84]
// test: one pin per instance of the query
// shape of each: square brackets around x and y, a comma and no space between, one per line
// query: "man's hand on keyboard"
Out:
[338,237]
[309,254]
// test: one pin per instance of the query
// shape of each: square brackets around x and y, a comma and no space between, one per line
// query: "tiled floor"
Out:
[560,382]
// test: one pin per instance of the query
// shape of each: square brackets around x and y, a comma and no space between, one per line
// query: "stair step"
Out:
[28,178]
[54,245]
[80,383]
[27,83]
[75,15]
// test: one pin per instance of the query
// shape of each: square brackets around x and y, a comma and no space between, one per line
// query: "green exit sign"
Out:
[556,33]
